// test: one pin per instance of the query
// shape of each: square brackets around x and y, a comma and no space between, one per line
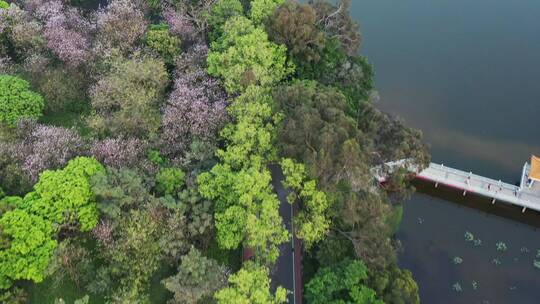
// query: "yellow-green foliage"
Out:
[312,220]
[250,141]
[250,285]
[244,56]
[29,224]
[65,196]
[247,209]
[160,40]
[261,10]
[29,250]
[17,101]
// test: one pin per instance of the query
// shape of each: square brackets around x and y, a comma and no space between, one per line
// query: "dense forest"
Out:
[135,144]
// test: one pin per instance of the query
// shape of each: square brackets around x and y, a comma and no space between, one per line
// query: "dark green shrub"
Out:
[169,180]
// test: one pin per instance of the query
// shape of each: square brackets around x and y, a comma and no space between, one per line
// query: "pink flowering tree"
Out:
[188,19]
[179,24]
[119,152]
[21,31]
[67,33]
[120,25]
[47,147]
[195,108]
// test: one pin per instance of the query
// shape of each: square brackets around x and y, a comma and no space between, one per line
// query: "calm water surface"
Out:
[466,72]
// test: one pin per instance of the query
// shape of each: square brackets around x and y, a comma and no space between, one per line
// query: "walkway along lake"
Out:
[466,73]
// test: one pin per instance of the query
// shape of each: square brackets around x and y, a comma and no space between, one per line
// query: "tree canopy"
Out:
[141,141]
[261,10]
[126,99]
[197,279]
[342,283]
[30,247]
[65,196]
[250,285]
[243,56]
[312,221]
[160,40]
[17,100]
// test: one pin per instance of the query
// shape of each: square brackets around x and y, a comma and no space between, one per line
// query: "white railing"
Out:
[468,182]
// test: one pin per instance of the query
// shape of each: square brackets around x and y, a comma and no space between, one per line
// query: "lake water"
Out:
[467,74]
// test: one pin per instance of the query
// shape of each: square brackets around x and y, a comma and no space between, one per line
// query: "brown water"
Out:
[465,72]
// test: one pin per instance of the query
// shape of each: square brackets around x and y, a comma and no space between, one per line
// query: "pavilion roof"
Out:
[534,173]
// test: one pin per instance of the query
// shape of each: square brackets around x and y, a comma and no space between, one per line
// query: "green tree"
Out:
[200,213]
[261,10]
[4,5]
[392,139]
[170,180]
[243,56]
[352,75]
[221,11]
[339,151]
[155,5]
[251,139]
[126,99]
[63,88]
[334,249]
[250,285]
[362,217]
[30,248]
[119,190]
[313,221]
[397,286]
[295,25]
[18,101]
[247,210]
[317,131]
[337,23]
[133,256]
[160,40]
[196,280]
[73,261]
[13,178]
[14,295]
[65,196]
[343,283]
